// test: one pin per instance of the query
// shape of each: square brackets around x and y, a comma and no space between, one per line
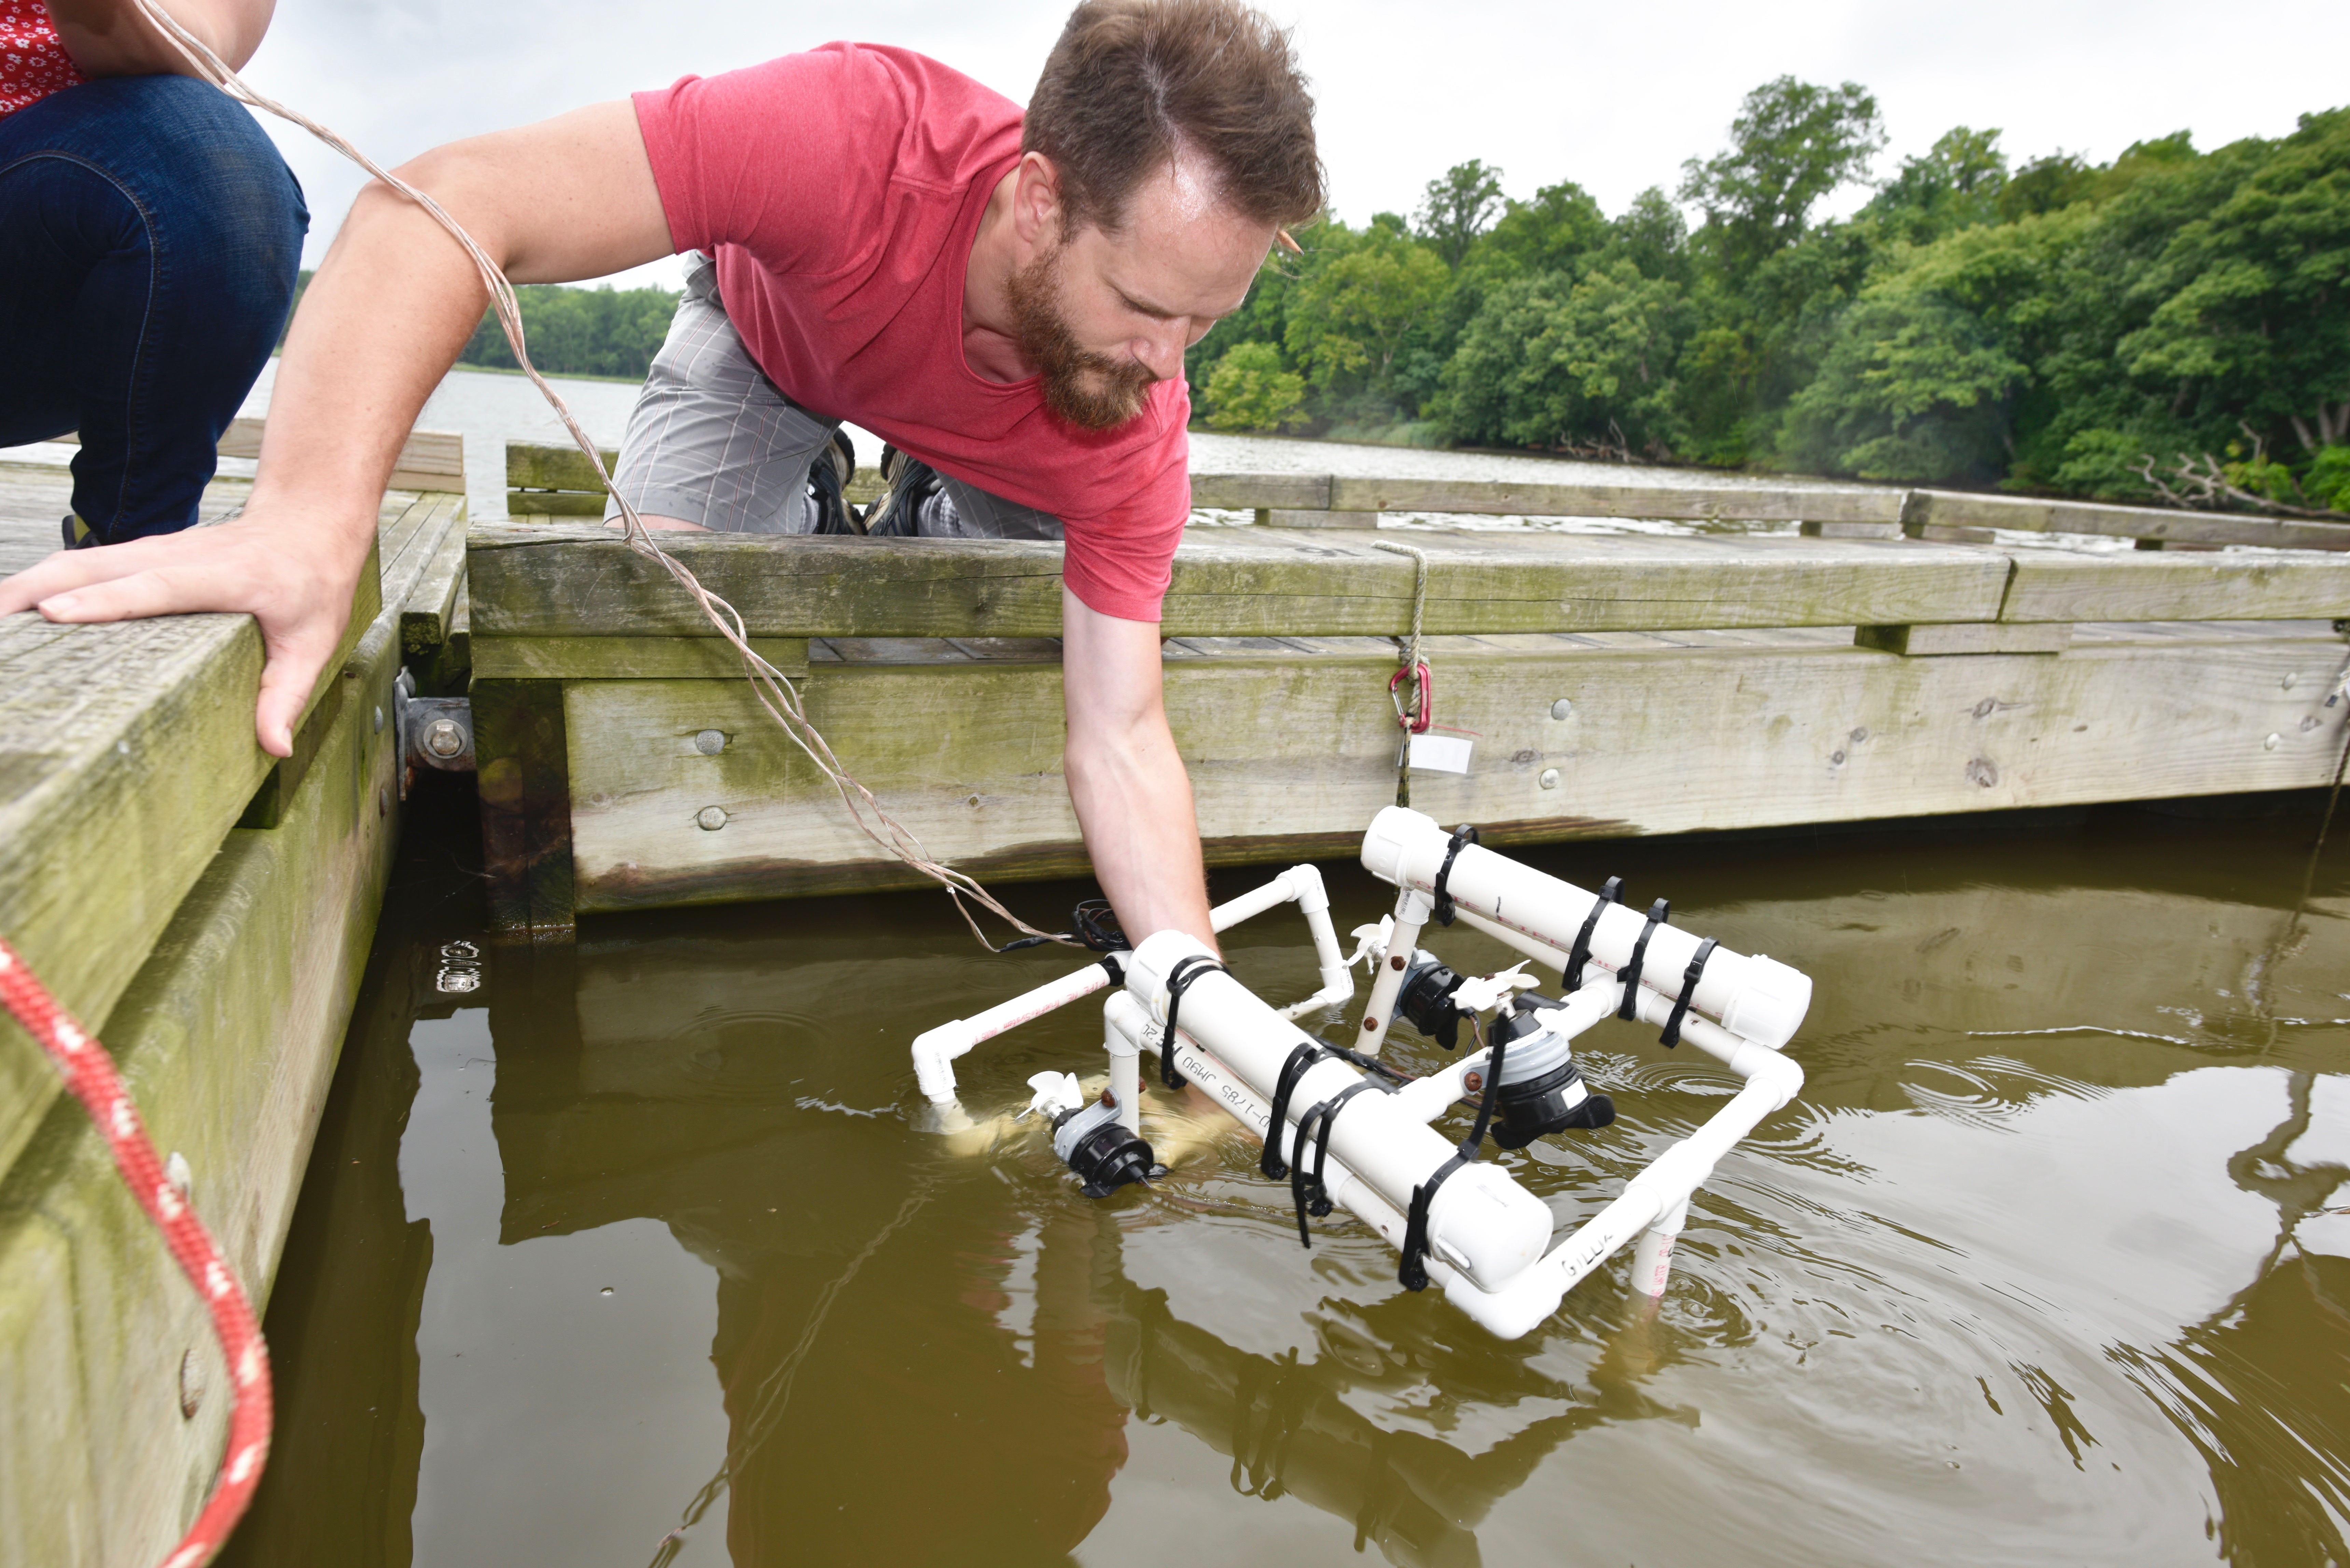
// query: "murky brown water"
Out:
[635,1255]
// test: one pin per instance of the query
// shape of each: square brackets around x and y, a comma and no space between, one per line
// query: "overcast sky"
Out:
[1613,97]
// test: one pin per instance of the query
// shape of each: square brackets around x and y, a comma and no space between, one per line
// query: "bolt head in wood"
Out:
[1562,708]
[379,718]
[710,742]
[2272,742]
[711,818]
[1550,778]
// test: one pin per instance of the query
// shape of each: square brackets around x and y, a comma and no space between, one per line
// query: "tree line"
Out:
[2172,325]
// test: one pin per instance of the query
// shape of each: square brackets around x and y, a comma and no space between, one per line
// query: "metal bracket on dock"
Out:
[433,731]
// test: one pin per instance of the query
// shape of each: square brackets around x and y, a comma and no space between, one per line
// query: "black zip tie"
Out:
[1580,954]
[1672,1034]
[1463,834]
[1413,1274]
[1112,967]
[1368,1063]
[1311,1193]
[1304,1055]
[1658,913]
[1188,968]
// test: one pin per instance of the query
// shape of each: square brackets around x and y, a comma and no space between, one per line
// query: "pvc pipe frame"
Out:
[935,1050]
[1652,1209]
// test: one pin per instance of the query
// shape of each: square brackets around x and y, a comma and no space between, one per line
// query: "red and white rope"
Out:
[89,1072]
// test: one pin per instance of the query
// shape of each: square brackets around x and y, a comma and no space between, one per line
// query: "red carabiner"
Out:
[1415,723]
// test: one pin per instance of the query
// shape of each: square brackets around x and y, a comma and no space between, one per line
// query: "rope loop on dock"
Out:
[774,690]
[83,1060]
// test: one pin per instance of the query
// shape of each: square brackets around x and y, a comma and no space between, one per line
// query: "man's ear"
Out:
[1036,210]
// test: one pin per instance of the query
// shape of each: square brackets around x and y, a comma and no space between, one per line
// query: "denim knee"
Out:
[209,176]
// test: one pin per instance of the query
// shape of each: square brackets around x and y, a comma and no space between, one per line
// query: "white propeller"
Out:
[1056,1092]
[1372,943]
[1490,990]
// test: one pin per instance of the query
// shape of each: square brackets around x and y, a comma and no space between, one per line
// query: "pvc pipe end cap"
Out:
[1770,1006]
[1390,832]
[1484,1224]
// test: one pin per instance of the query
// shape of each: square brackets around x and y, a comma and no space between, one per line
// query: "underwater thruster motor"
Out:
[1094,1144]
[1426,998]
[1542,1089]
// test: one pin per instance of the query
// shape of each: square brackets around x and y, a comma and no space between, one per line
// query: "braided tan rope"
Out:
[773,689]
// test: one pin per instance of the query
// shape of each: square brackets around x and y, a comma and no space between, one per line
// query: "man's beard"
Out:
[1090,391]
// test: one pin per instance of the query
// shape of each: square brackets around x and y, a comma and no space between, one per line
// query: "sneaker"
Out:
[827,483]
[77,533]
[911,489]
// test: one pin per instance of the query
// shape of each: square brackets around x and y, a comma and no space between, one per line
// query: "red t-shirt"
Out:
[840,190]
[33,63]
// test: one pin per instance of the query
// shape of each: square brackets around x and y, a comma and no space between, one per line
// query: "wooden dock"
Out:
[209,909]
[1876,664]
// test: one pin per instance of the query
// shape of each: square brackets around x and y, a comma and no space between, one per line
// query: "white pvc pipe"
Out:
[1411,913]
[1314,903]
[1754,997]
[1481,1219]
[1126,1018]
[935,1050]
[1125,1077]
[1652,1255]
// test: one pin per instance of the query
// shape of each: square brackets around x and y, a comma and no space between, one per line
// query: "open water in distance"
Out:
[635,1253]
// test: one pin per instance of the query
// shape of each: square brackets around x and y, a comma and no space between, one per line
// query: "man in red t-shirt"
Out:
[1007,300]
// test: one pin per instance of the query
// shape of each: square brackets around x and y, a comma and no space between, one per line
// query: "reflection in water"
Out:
[1980,1295]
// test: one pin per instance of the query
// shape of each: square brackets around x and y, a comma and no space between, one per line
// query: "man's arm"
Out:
[1126,778]
[386,316]
[114,38]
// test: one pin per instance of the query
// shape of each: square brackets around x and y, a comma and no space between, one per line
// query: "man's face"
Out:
[1104,316]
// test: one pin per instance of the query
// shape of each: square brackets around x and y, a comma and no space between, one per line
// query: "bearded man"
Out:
[876,239]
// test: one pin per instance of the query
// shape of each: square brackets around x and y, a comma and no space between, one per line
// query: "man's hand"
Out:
[297,584]
[1126,778]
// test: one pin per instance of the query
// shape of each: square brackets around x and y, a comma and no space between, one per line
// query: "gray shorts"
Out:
[712,440]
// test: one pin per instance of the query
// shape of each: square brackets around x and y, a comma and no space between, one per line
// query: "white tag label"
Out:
[1441,754]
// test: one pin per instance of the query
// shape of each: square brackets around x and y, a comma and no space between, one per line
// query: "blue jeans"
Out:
[149,237]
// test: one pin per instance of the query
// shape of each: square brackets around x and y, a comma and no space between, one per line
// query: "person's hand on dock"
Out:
[252,565]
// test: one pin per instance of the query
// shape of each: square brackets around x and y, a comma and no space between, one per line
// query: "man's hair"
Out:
[1133,82]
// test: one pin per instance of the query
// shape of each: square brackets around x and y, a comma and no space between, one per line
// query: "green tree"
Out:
[1954,186]
[2252,323]
[1459,207]
[1251,389]
[1353,308]
[1791,144]
[580,331]
[1550,361]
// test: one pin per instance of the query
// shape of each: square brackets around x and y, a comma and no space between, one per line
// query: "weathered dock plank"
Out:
[2058,586]
[540,581]
[1289,753]
[227,1037]
[122,764]
[1728,503]
[1950,509]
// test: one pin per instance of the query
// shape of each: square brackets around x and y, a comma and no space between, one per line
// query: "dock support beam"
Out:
[525,772]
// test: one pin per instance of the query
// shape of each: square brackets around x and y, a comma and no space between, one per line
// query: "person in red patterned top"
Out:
[1006,297]
[33,61]
[111,161]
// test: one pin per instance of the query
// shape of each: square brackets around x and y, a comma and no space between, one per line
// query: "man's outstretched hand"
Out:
[274,572]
